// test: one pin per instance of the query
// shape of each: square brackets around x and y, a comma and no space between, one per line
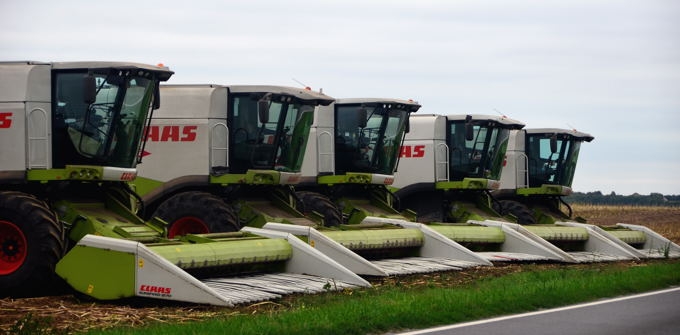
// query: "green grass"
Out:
[399,308]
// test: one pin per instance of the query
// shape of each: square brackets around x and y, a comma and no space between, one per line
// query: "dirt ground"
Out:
[663,220]
[67,314]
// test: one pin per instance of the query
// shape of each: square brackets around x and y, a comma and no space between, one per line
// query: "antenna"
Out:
[303,85]
[299,82]
[499,113]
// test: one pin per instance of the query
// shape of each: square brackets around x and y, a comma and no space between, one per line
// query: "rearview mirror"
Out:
[362,115]
[553,143]
[469,129]
[263,108]
[89,89]
[157,96]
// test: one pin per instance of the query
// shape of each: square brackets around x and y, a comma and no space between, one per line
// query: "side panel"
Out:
[326,152]
[12,137]
[195,101]
[421,151]
[176,148]
[319,158]
[24,87]
[417,163]
[39,131]
[185,132]
[21,82]
[309,167]
[514,171]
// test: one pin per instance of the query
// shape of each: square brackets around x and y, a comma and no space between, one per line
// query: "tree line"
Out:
[635,199]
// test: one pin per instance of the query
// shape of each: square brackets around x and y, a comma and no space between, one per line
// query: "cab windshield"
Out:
[548,167]
[106,131]
[367,137]
[268,132]
[480,157]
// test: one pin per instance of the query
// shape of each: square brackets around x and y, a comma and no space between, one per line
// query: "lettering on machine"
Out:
[156,291]
[412,151]
[5,120]
[156,133]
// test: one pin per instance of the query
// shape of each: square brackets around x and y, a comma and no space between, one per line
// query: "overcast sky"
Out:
[608,68]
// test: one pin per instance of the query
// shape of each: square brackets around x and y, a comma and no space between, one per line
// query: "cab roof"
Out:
[571,132]
[506,121]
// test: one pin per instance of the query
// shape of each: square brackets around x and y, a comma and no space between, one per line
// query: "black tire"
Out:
[321,204]
[497,206]
[428,206]
[518,210]
[196,212]
[32,241]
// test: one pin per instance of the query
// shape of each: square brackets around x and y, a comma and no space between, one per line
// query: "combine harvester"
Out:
[540,169]
[351,157]
[219,158]
[458,165]
[66,205]
[243,148]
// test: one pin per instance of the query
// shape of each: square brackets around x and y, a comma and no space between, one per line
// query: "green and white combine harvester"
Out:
[450,174]
[71,138]
[238,150]
[540,169]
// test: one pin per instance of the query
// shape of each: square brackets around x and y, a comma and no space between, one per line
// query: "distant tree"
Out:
[635,199]
[657,197]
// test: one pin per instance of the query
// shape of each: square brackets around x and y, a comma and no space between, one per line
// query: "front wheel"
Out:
[321,204]
[428,206]
[31,243]
[196,212]
[523,215]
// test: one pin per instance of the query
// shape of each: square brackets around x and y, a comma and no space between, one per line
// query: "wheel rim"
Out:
[12,247]
[188,225]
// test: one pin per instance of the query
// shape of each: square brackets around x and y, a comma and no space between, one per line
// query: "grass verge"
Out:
[395,307]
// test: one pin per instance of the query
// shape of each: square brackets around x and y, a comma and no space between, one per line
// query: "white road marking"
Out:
[515,316]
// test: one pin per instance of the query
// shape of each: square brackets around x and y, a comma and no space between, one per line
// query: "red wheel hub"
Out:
[188,225]
[12,247]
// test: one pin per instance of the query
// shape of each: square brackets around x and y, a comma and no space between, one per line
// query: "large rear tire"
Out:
[196,212]
[321,204]
[518,210]
[428,206]
[32,241]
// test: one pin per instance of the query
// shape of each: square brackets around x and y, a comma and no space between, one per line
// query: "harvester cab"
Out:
[351,157]
[540,169]
[450,163]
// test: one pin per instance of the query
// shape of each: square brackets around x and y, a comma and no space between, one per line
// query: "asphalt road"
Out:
[653,313]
